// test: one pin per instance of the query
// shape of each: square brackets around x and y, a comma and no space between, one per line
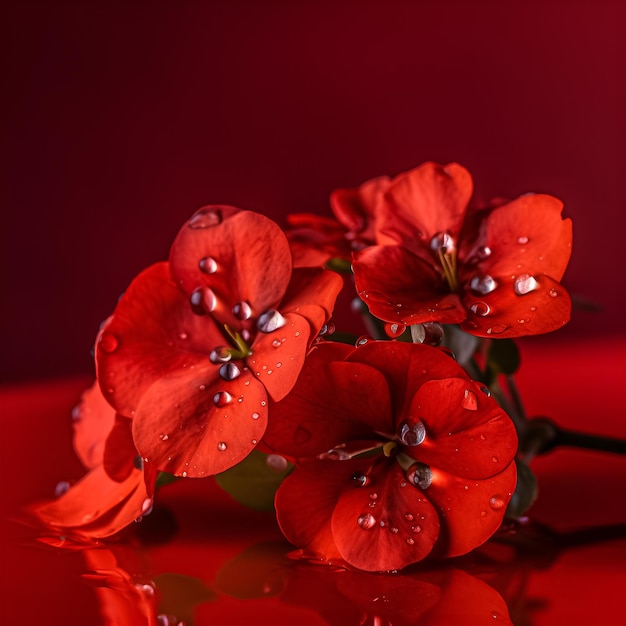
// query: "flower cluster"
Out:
[392,450]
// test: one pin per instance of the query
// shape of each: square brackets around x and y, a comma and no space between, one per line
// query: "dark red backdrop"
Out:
[123,117]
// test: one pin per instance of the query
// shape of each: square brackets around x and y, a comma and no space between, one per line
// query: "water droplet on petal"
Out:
[270,321]
[410,540]
[327,329]
[442,242]
[205,218]
[360,480]
[221,446]
[208,265]
[61,488]
[366,521]
[525,283]
[394,330]
[335,454]
[497,329]
[138,462]
[277,343]
[482,285]
[483,513]
[411,433]
[229,371]
[483,252]
[146,506]
[203,301]
[494,459]
[484,389]
[416,529]
[469,401]
[222,398]
[408,517]
[220,355]
[108,342]
[522,240]
[496,502]
[242,311]
[420,475]
[277,462]
[362,340]
[480,308]
[255,416]
[373,496]
[553,293]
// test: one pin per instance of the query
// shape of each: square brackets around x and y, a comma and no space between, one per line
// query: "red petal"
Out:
[546,308]
[527,236]
[120,452]
[152,333]
[277,357]
[312,293]
[332,403]
[406,367]
[471,510]
[305,502]
[397,286]
[356,208]
[93,420]
[467,433]
[384,525]
[252,261]
[179,428]
[98,506]
[314,239]
[423,202]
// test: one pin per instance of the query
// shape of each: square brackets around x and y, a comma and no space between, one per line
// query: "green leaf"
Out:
[253,482]
[503,357]
[525,491]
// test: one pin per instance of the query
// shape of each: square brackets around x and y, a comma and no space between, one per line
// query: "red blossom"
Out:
[315,239]
[116,490]
[399,456]
[196,345]
[494,271]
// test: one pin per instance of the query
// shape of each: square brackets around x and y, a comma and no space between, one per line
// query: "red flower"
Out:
[196,345]
[399,455]
[314,239]
[116,490]
[495,271]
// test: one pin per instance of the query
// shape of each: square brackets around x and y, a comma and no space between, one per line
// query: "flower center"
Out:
[443,245]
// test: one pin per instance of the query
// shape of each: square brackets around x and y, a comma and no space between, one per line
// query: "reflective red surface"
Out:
[202,559]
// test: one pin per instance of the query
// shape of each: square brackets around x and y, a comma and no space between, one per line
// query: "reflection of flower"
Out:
[494,271]
[399,455]
[116,490]
[434,597]
[196,346]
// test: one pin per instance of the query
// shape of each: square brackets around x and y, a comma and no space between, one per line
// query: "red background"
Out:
[122,118]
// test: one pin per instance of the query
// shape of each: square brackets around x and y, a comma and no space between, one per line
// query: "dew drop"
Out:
[394,330]
[221,446]
[373,496]
[146,506]
[229,371]
[362,340]
[270,321]
[496,329]
[222,398]
[108,342]
[420,475]
[163,437]
[360,480]
[220,354]
[416,529]
[480,308]
[483,513]
[522,240]
[496,503]
[411,433]
[276,343]
[442,242]
[494,459]
[410,540]
[482,285]
[61,487]
[483,437]
[366,521]
[334,454]
[525,283]
[208,265]
[242,311]
[470,401]
[484,389]
[138,462]
[276,462]
[394,529]
[553,293]
[255,416]
[203,301]
[408,517]
[205,218]
[483,252]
